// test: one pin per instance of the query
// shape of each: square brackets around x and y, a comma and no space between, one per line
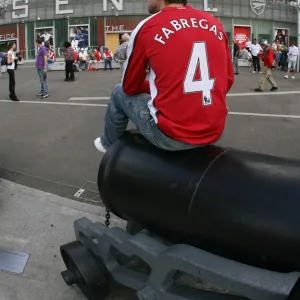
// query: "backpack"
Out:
[3,59]
[76,68]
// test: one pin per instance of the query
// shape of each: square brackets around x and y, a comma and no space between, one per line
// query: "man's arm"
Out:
[45,59]
[45,62]
[135,66]
[9,59]
[118,53]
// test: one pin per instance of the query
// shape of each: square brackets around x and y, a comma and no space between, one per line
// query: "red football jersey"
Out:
[190,72]
[76,55]
[98,55]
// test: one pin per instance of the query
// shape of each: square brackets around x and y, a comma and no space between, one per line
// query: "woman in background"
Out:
[69,58]
[11,71]
[51,58]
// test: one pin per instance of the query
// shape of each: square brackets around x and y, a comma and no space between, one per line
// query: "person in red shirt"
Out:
[108,55]
[97,54]
[269,59]
[76,56]
[95,57]
[183,104]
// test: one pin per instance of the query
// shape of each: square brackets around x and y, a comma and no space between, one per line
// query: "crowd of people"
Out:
[201,77]
[88,59]
[275,55]
[85,59]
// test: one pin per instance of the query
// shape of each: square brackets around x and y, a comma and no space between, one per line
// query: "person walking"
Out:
[69,58]
[268,59]
[255,51]
[292,60]
[11,71]
[41,66]
[236,52]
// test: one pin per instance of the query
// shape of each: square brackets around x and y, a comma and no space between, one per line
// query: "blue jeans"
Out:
[83,63]
[123,108]
[43,81]
[107,63]
[49,61]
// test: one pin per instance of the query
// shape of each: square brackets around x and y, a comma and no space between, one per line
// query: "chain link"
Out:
[107,216]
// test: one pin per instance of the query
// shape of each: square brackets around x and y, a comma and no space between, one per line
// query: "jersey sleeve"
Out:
[135,66]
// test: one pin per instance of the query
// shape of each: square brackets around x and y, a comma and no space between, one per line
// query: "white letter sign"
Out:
[117,3]
[20,7]
[206,8]
[57,8]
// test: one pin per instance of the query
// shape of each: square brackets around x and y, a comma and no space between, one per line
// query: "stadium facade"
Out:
[101,22]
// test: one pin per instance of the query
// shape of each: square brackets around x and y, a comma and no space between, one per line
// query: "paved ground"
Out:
[48,144]
[38,223]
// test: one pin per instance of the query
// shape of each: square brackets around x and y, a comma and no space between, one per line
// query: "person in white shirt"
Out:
[46,35]
[11,71]
[83,59]
[248,45]
[292,60]
[255,51]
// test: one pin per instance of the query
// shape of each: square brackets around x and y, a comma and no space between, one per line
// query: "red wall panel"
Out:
[241,34]
[22,42]
[100,32]
[8,32]
[123,23]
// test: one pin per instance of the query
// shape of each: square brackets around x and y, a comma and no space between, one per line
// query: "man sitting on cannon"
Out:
[183,104]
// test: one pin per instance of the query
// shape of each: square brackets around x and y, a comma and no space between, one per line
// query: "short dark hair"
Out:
[254,39]
[67,44]
[39,41]
[184,2]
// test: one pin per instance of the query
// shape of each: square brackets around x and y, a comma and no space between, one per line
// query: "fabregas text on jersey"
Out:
[178,25]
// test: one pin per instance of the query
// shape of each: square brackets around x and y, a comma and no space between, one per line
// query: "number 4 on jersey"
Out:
[206,84]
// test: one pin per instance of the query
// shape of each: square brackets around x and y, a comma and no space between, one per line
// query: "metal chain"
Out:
[107,216]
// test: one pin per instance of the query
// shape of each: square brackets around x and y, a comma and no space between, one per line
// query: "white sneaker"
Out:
[287,77]
[293,77]
[259,72]
[98,145]
[254,72]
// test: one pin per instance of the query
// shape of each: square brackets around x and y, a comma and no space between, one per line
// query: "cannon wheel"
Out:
[83,270]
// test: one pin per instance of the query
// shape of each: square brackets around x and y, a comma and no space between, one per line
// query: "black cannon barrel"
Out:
[237,204]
